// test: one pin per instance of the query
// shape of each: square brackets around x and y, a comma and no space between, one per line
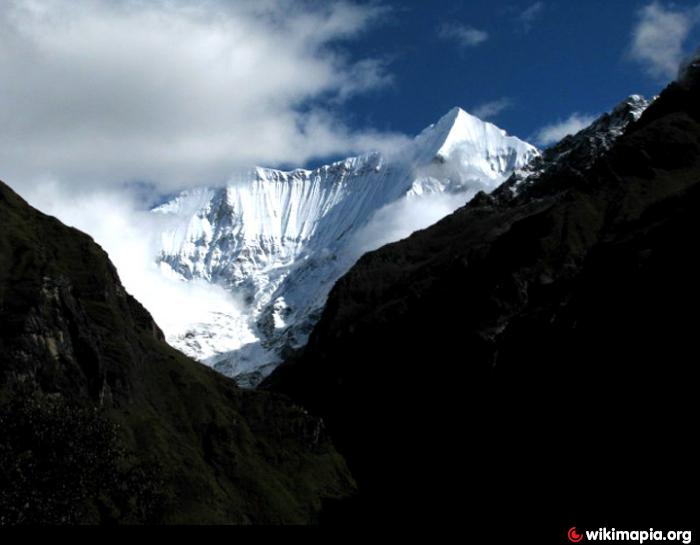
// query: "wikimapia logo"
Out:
[632,536]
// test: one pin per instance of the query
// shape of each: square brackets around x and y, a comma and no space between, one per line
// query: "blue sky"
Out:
[565,57]
[109,105]
[96,94]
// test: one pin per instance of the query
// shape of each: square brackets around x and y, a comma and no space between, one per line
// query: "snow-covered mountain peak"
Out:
[479,147]
[631,109]
[278,240]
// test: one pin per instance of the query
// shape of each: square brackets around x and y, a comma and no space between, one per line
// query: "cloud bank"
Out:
[400,219]
[463,35]
[659,36]
[116,221]
[177,93]
[529,15]
[551,134]
[489,110]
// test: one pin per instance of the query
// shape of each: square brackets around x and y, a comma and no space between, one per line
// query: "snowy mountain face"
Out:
[277,241]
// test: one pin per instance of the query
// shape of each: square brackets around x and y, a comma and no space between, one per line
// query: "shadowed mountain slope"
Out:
[103,422]
[533,353]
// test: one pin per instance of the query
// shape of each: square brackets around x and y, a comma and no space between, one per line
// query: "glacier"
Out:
[278,240]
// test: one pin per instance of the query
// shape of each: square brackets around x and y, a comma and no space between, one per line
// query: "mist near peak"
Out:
[129,234]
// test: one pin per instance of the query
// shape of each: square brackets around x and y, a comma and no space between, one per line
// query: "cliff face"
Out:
[104,422]
[532,352]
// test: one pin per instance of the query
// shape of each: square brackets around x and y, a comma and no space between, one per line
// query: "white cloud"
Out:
[399,219]
[115,219]
[463,35]
[176,93]
[171,93]
[659,37]
[551,134]
[530,14]
[491,109]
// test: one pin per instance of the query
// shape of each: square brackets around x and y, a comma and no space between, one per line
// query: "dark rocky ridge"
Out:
[103,422]
[529,360]
[574,154]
